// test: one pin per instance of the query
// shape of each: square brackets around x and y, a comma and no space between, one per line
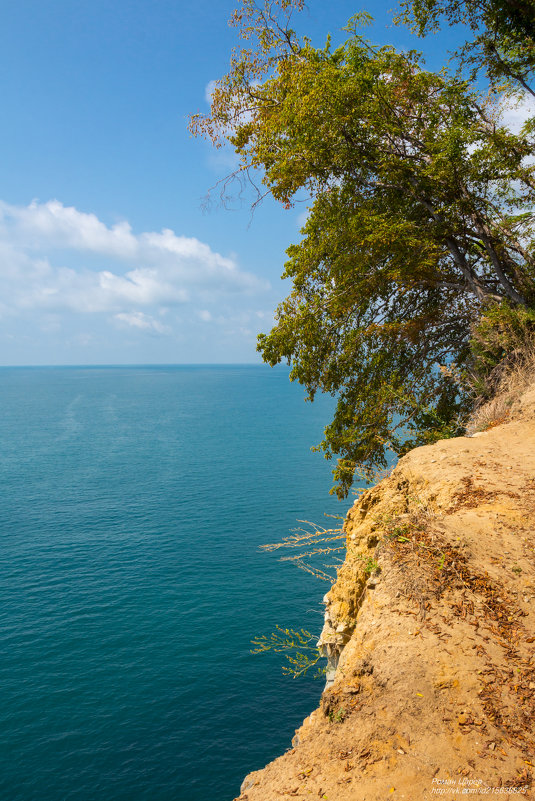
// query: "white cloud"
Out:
[151,270]
[76,290]
[209,90]
[302,218]
[514,113]
[142,321]
[52,224]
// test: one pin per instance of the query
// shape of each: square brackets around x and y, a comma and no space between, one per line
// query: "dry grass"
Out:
[509,380]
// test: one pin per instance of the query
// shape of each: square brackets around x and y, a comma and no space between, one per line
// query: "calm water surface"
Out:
[133,504]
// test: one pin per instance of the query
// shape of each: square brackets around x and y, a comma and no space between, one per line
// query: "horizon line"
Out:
[138,364]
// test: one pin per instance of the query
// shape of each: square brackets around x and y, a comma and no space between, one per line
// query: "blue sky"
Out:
[106,253]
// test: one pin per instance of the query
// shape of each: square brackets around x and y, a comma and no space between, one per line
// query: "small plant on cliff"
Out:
[298,646]
[312,541]
[503,344]
[371,565]
[338,715]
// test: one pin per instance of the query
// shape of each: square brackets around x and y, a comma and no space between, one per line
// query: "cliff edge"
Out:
[430,634]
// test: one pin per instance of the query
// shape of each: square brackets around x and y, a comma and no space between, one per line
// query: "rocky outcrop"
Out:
[429,633]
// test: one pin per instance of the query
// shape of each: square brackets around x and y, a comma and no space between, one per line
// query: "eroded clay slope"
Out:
[433,620]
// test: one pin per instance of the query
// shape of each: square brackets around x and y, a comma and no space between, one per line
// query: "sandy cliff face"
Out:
[431,624]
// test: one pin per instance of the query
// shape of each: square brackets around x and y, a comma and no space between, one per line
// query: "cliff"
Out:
[430,633]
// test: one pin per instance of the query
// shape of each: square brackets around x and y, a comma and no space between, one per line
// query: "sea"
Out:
[134,504]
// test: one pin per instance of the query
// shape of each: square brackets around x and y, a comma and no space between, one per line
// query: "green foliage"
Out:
[298,647]
[337,715]
[419,221]
[502,338]
[371,566]
[501,34]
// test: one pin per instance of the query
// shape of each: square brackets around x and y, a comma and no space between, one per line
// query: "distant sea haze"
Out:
[134,500]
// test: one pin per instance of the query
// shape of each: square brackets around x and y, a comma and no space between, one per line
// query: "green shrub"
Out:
[502,340]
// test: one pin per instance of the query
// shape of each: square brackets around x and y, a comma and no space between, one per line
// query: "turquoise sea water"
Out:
[133,503]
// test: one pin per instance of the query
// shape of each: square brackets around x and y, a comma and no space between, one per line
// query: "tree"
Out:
[419,220]
[502,31]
